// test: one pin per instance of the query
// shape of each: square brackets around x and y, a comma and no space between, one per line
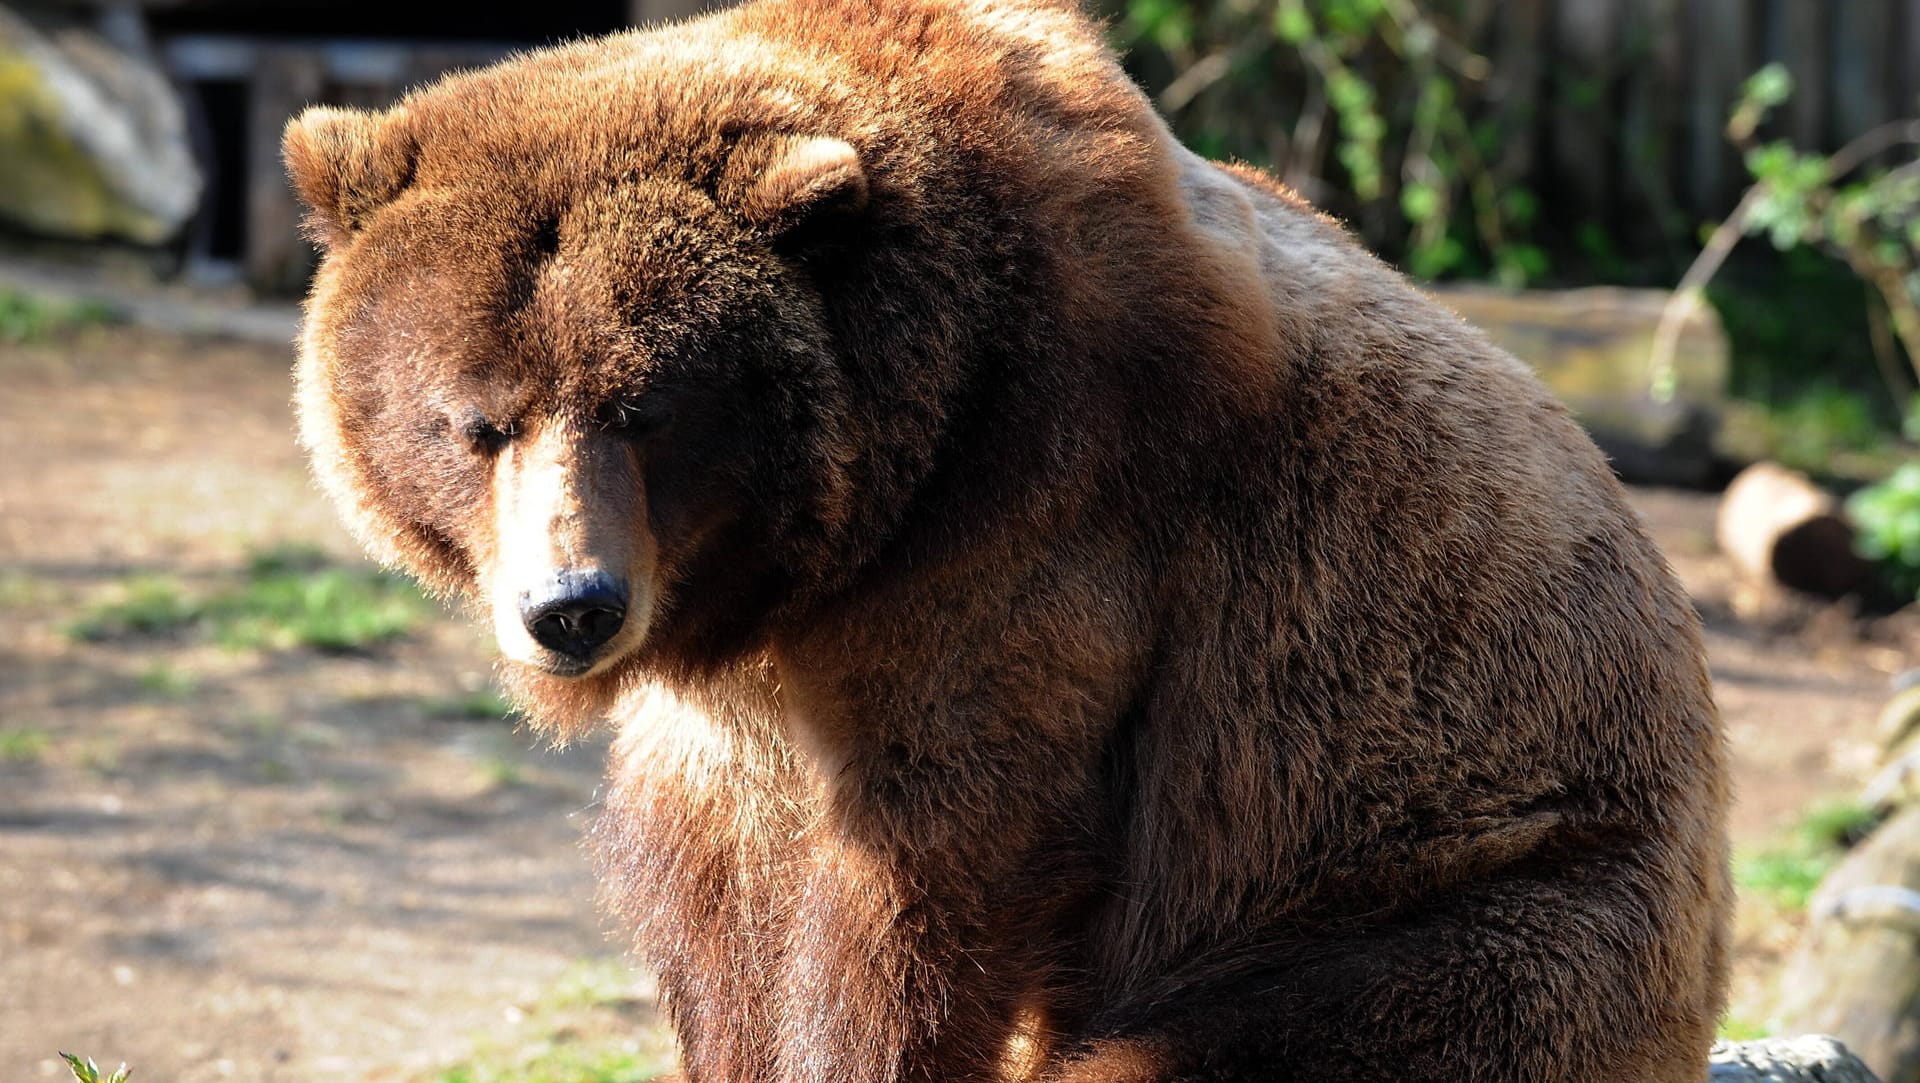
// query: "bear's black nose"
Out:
[577,614]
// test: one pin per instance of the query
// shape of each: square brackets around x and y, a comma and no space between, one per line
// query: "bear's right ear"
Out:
[783,182]
[345,164]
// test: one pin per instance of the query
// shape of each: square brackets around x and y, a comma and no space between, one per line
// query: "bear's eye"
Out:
[483,434]
[636,418]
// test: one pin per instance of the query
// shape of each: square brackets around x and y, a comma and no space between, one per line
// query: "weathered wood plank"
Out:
[276,258]
[1908,63]
[1800,34]
[1721,35]
[1585,39]
[1863,83]
[1654,85]
[643,12]
[1518,54]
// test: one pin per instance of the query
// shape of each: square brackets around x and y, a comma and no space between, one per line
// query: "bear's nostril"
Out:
[579,614]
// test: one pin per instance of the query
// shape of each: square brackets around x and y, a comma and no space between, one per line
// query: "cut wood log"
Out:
[1778,527]
[1856,974]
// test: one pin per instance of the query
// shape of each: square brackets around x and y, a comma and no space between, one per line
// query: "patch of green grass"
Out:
[286,599]
[591,1025]
[23,744]
[148,605]
[593,983]
[485,705]
[28,317]
[100,756]
[1827,432]
[20,591]
[332,609]
[165,682]
[1736,1028]
[85,1071]
[1788,878]
[500,772]
[1789,872]
[561,1060]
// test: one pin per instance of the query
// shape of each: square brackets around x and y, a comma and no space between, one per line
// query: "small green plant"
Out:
[165,682]
[562,1061]
[1811,430]
[501,772]
[1844,204]
[287,598]
[27,317]
[592,1025]
[20,591]
[1888,518]
[484,705]
[23,744]
[1789,872]
[85,1071]
[332,609]
[1378,110]
[148,605]
[1739,1028]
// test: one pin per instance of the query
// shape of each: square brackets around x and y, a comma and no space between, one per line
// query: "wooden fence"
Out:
[1633,95]
[1623,102]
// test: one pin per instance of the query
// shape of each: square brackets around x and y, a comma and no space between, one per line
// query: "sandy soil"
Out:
[284,866]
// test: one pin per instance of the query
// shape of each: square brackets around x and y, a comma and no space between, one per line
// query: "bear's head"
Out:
[646,344]
[567,357]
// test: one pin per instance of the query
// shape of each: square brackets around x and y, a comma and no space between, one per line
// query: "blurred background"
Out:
[263,813]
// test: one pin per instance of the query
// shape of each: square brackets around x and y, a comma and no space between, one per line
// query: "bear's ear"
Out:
[345,164]
[783,182]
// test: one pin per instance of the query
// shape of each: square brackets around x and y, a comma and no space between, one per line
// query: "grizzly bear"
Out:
[1069,614]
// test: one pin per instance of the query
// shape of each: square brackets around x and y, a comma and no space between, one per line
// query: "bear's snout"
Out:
[575,614]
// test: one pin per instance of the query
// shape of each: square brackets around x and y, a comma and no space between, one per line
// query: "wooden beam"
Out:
[277,259]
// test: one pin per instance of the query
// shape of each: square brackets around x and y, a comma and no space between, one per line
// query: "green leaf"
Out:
[1769,87]
[1291,23]
[1420,202]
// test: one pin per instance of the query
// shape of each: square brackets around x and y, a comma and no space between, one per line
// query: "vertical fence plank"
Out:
[1908,64]
[1651,99]
[1520,48]
[1800,39]
[1585,63]
[646,12]
[1722,40]
[1862,82]
[284,80]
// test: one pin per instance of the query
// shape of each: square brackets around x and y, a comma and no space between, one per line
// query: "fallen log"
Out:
[1779,528]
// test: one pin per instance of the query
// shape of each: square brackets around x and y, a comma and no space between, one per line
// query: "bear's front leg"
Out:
[956,760]
[885,983]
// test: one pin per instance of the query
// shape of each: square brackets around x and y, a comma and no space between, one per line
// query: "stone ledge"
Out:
[1811,1059]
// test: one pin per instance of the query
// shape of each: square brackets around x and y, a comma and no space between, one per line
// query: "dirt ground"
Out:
[288,865]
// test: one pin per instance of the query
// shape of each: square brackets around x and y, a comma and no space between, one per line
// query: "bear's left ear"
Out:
[345,164]
[783,182]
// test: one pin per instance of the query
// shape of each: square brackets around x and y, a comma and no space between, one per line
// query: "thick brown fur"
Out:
[1104,626]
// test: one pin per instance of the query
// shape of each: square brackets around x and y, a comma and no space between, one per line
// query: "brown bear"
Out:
[1069,613]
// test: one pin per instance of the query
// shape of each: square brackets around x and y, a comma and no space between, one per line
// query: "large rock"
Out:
[1856,974]
[1594,347]
[93,141]
[1787,1060]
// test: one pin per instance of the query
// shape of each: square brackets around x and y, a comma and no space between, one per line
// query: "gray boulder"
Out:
[93,137]
[1812,1059]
